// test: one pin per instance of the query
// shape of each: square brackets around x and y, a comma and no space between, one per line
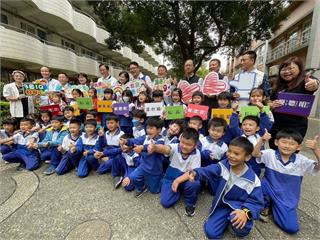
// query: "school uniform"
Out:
[281,185]
[54,138]
[43,134]
[126,122]
[211,149]
[107,142]
[139,131]
[86,163]
[233,192]
[5,148]
[68,160]
[23,155]
[178,166]
[149,172]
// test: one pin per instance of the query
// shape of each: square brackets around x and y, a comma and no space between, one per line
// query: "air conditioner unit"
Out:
[274,70]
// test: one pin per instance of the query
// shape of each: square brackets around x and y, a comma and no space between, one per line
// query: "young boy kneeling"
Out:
[183,156]
[238,198]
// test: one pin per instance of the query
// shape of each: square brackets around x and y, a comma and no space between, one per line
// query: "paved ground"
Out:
[35,206]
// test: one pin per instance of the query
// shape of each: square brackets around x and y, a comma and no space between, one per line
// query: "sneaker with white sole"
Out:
[117,181]
[50,170]
[190,211]
[140,193]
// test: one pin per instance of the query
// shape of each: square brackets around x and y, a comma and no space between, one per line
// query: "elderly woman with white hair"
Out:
[20,105]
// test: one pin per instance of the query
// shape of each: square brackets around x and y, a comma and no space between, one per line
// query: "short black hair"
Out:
[252,55]
[30,120]
[68,108]
[134,63]
[178,90]
[10,121]
[218,122]
[59,118]
[196,118]
[75,121]
[83,75]
[78,91]
[198,93]
[137,113]
[108,90]
[63,74]
[162,66]
[126,74]
[289,133]
[112,117]
[126,136]
[157,93]
[155,122]
[46,112]
[102,64]
[190,133]
[92,112]
[90,122]
[216,60]
[252,118]
[243,143]
[181,123]
[225,95]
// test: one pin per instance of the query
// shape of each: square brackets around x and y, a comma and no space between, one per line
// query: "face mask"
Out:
[135,122]
[125,99]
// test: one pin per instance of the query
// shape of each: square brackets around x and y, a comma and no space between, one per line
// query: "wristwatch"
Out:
[248,213]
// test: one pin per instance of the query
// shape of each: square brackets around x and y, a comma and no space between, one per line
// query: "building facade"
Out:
[58,34]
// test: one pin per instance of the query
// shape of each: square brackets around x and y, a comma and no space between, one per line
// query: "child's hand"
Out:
[126,115]
[151,147]
[138,149]
[32,145]
[73,148]
[266,136]
[235,106]
[97,154]
[60,149]
[101,132]
[192,175]
[175,185]
[312,143]
[275,104]
[235,95]
[103,159]
[46,145]
[240,219]
[260,106]
[125,182]
[85,153]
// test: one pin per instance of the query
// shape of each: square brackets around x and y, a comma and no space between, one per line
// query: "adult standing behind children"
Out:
[189,74]
[52,84]
[292,78]
[108,80]
[20,105]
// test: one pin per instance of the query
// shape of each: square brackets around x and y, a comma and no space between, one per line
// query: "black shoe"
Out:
[190,211]
[140,193]
[117,181]
[20,167]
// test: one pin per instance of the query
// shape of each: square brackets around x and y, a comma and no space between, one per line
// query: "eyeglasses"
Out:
[289,69]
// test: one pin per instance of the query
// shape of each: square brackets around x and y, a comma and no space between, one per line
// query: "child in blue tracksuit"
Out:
[239,199]
[108,141]
[9,126]
[85,146]
[49,145]
[25,139]
[149,173]
[195,122]
[184,156]
[124,162]
[138,123]
[125,121]
[281,184]
[68,160]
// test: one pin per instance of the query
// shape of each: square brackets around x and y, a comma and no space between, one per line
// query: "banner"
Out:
[85,103]
[295,104]
[187,90]
[32,89]
[121,108]
[104,106]
[153,109]
[252,111]
[174,112]
[222,113]
[197,110]
[212,85]
[54,109]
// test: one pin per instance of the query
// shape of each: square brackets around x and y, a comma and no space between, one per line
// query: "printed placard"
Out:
[85,103]
[197,110]
[135,86]
[174,112]
[76,109]
[252,111]
[121,108]
[244,83]
[295,104]
[162,84]
[54,109]
[104,106]
[32,89]
[222,113]
[153,109]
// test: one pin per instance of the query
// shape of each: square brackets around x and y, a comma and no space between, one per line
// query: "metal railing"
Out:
[290,46]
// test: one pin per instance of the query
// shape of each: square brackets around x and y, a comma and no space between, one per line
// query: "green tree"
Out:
[188,29]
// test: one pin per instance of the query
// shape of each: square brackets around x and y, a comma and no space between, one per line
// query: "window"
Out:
[4,19]
[68,44]
[41,34]
[306,32]
[28,28]
[293,40]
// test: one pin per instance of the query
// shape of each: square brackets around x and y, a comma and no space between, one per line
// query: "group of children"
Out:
[175,158]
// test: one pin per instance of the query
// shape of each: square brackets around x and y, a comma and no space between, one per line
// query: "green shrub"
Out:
[4,110]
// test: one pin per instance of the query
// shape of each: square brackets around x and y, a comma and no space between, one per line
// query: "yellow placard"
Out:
[222,113]
[104,106]
[76,109]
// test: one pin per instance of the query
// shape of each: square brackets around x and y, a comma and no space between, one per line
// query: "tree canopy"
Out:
[182,30]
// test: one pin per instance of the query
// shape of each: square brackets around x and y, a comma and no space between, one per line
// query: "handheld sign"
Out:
[187,90]
[244,83]
[162,84]
[174,112]
[212,85]
[76,109]
[121,108]
[54,109]
[32,89]
[104,106]
[85,103]
[153,109]
[197,110]
[252,111]
[222,113]
[83,88]
[295,104]
[135,86]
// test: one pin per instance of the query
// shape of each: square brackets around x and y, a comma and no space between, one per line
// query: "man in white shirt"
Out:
[134,69]
[106,79]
